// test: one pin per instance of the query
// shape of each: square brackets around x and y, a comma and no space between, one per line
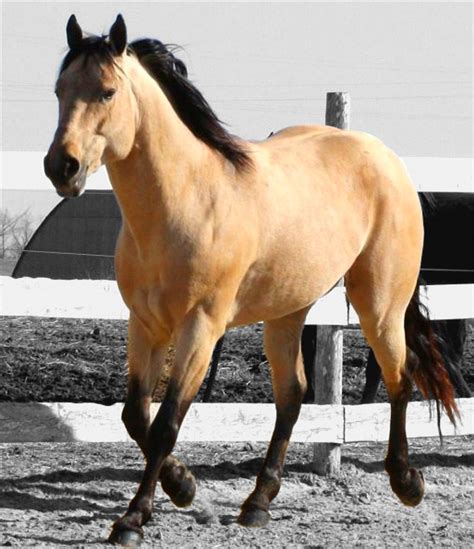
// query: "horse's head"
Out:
[96,108]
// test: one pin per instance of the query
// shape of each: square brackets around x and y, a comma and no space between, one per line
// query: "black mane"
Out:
[172,75]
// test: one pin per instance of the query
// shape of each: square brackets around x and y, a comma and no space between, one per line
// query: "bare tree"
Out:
[15,231]
[7,225]
[21,233]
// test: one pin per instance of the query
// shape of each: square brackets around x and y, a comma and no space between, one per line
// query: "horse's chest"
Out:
[161,297]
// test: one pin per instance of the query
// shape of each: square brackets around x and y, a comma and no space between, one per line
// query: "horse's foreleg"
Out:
[282,348]
[145,367]
[194,347]
[146,359]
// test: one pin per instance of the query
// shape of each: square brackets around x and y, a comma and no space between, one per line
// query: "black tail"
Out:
[429,372]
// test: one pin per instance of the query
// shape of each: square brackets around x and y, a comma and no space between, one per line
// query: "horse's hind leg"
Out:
[283,351]
[381,310]
[145,367]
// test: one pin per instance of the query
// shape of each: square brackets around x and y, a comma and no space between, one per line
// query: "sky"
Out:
[262,66]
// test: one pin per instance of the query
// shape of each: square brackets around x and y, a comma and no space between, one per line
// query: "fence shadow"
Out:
[36,422]
[416,460]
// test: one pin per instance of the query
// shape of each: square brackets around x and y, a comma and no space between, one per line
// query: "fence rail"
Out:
[44,297]
[335,424]
[224,422]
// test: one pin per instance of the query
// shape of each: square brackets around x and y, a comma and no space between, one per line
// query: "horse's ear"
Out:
[73,33]
[118,35]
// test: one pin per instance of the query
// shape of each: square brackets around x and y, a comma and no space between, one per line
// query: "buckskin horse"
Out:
[213,237]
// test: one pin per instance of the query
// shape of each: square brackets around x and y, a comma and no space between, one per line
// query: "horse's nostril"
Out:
[71,166]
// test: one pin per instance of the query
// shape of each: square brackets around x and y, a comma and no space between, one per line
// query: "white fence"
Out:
[225,422]
[101,299]
[336,424]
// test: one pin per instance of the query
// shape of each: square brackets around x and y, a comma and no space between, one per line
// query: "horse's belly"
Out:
[273,291]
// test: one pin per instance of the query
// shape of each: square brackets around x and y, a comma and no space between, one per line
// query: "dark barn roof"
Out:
[76,240]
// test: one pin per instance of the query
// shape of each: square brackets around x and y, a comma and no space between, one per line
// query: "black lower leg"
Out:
[136,418]
[406,482]
[176,480]
[373,377]
[308,349]
[255,509]
[216,355]
[193,349]
[162,436]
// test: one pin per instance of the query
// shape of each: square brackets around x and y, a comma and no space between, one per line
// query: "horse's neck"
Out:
[165,161]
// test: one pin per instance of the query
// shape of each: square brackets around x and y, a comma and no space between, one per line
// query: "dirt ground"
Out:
[76,360]
[68,495]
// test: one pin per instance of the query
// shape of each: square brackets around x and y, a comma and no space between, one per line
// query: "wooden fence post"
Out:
[327,367]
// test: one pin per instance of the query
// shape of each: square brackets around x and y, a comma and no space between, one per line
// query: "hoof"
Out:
[253,518]
[412,489]
[125,538]
[180,490]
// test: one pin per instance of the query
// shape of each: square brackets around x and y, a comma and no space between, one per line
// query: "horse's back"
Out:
[325,151]
[326,166]
[295,132]
[324,197]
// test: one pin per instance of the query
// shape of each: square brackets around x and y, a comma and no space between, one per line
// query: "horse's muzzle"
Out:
[66,173]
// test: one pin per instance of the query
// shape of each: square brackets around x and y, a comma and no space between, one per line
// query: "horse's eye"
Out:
[107,95]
